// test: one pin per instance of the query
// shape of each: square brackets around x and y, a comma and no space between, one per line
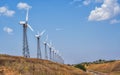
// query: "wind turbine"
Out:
[50,48]
[54,51]
[25,25]
[56,55]
[38,36]
[52,54]
[60,58]
[45,43]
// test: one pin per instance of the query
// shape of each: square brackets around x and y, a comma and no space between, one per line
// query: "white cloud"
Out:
[86,2]
[58,29]
[109,9]
[74,1]
[22,5]
[5,11]
[8,30]
[114,21]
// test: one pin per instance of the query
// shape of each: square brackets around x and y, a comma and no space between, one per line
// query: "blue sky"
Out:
[82,30]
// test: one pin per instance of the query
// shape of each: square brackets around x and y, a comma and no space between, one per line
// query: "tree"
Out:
[80,66]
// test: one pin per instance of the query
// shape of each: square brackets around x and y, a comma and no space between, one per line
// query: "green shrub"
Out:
[80,66]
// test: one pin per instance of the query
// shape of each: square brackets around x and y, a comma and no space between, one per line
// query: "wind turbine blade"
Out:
[46,38]
[51,43]
[27,14]
[48,45]
[42,32]
[30,27]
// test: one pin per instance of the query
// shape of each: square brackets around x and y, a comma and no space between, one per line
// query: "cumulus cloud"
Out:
[8,30]
[5,11]
[109,9]
[86,2]
[114,21]
[22,5]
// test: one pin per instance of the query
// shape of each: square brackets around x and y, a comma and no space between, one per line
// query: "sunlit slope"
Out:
[112,68]
[13,65]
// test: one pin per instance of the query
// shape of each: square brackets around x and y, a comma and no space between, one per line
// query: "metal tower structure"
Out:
[50,53]
[50,50]
[39,55]
[46,57]
[38,36]
[53,54]
[45,43]
[25,42]
[25,24]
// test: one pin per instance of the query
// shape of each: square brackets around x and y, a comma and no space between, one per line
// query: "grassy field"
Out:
[13,65]
[111,68]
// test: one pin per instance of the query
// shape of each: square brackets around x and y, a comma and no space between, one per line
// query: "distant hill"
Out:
[14,65]
[110,68]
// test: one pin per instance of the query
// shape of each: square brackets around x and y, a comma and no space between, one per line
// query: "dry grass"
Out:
[112,68]
[13,65]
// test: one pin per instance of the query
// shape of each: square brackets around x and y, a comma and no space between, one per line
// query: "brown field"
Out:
[13,65]
[111,68]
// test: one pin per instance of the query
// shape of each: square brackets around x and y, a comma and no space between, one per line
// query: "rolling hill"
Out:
[109,68]
[15,65]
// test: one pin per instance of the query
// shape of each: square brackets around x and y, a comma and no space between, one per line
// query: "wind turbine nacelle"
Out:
[22,22]
[44,43]
[37,36]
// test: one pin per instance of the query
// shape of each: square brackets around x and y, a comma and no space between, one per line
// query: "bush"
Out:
[80,66]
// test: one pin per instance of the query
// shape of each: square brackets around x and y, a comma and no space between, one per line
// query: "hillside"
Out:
[13,65]
[111,68]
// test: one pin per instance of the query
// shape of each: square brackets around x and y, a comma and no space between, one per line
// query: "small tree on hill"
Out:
[80,66]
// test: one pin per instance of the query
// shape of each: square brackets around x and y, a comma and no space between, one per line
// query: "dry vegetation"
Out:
[13,65]
[111,68]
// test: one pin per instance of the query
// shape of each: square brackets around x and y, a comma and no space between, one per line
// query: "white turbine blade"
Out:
[42,32]
[27,14]
[46,38]
[47,44]
[30,27]
[50,43]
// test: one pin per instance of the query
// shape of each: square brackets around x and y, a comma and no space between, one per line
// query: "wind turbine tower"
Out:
[53,52]
[38,36]
[45,43]
[25,25]
[50,48]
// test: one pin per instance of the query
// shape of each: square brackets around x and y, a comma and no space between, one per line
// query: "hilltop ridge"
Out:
[110,68]
[16,65]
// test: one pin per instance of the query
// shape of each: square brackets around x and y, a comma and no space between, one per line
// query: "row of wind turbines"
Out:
[52,52]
